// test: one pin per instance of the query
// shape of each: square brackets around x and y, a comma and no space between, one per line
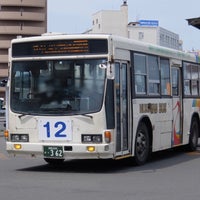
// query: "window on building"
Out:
[141,35]
[162,37]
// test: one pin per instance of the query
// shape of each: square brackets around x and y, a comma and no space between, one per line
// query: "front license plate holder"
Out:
[53,151]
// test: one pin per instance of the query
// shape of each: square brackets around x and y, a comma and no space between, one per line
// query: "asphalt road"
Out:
[169,175]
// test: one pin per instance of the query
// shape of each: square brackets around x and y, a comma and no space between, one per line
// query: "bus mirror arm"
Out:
[110,71]
[109,67]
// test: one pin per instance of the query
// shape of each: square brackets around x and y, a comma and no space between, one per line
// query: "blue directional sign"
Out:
[149,22]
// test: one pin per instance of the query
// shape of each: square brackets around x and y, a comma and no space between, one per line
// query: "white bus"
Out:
[99,97]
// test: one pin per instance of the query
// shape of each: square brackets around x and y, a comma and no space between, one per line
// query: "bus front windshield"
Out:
[57,87]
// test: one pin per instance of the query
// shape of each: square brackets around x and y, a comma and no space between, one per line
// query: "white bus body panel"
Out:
[79,125]
[161,120]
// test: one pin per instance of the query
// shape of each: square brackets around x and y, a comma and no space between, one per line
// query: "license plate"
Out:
[53,151]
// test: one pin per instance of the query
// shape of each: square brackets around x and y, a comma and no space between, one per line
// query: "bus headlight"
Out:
[91,139]
[19,138]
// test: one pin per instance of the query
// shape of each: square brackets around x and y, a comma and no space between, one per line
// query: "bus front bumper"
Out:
[75,151]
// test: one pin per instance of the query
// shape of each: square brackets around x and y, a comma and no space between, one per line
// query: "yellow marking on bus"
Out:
[123,157]
[194,153]
[3,157]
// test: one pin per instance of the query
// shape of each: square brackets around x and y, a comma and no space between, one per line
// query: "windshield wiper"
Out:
[86,115]
[23,115]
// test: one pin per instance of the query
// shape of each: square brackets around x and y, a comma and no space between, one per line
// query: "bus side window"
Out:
[140,72]
[191,79]
[154,75]
[140,84]
[194,81]
[187,78]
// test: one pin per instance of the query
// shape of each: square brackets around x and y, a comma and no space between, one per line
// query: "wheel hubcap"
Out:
[141,144]
[194,136]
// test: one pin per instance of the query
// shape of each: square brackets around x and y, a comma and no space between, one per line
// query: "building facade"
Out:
[111,21]
[151,32]
[19,18]
[116,22]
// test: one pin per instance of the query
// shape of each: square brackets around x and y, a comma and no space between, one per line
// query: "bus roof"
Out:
[119,42]
[59,36]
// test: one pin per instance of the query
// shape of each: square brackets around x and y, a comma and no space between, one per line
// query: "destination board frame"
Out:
[60,47]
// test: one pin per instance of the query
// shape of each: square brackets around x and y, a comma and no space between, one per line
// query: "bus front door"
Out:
[122,108]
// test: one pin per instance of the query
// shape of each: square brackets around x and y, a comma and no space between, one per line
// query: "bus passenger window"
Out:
[194,82]
[140,84]
[140,74]
[187,87]
[191,79]
[154,76]
[187,78]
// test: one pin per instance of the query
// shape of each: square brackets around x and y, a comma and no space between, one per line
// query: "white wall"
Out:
[144,34]
[112,22]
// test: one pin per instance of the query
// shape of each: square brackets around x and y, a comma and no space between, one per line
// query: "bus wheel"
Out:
[54,162]
[194,134]
[142,144]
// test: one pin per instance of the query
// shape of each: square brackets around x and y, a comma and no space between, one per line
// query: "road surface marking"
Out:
[194,153]
[3,157]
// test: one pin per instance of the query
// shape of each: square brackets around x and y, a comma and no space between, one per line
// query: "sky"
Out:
[75,16]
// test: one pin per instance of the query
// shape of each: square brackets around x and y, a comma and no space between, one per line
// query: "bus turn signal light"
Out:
[6,134]
[107,135]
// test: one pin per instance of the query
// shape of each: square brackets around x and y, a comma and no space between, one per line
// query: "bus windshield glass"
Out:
[57,86]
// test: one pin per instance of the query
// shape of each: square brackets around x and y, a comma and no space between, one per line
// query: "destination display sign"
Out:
[60,47]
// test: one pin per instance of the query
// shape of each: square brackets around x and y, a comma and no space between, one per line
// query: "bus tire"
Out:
[194,134]
[54,162]
[142,144]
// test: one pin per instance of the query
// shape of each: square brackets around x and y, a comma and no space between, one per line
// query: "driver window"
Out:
[22,84]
